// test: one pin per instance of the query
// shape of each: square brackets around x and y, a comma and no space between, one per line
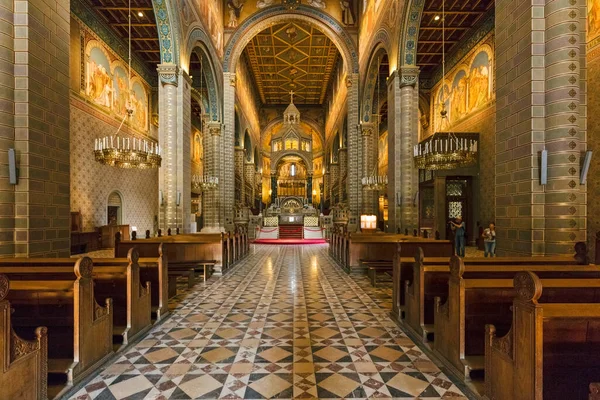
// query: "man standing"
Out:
[459,236]
[489,238]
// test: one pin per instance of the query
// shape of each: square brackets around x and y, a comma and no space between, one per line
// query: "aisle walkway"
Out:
[286,323]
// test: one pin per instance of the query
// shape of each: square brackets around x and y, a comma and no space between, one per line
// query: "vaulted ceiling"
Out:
[292,57]
[461,16]
[144,34]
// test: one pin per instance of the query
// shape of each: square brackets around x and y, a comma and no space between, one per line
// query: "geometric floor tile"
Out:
[285,323]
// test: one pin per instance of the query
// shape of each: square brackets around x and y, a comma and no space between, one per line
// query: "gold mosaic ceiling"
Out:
[292,56]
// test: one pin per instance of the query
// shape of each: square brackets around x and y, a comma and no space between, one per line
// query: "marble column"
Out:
[174,127]
[343,172]
[239,172]
[354,160]
[540,105]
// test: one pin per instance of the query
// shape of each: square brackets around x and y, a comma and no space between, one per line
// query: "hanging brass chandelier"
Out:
[204,183]
[446,150]
[122,152]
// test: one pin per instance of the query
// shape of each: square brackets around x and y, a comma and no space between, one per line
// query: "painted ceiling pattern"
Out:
[292,57]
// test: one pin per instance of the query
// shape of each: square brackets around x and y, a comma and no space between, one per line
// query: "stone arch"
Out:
[198,42]
[371,82]
[169,49]
[275,161]
[280,13]
[407,53]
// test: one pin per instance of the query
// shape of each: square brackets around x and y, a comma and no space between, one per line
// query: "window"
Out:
[293,170]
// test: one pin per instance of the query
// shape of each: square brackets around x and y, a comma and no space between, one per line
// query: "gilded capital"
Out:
[167,74]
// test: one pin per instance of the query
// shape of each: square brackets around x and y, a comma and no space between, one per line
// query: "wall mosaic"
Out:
[92,183]
[104,83]
[247,97]
[468,87]
[593,28]
[211,15]
[593,124]
[382,157]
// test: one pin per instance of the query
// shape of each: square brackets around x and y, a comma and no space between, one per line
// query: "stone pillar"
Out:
[239,172]
[394,154]
[227,178]
[249,171]
[273,188]
[409,132]
[343,172]
[353,180]
[35,121]
[370,198]
[174,137]
[334,178]
[540,87]
[309,187]
[212,200]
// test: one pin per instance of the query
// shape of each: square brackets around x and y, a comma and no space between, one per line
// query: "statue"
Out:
[347,14]
[235,8]
[317,3]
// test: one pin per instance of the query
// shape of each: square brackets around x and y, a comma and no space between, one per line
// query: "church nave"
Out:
[287,322]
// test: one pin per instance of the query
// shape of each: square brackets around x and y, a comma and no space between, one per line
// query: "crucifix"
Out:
[292,96]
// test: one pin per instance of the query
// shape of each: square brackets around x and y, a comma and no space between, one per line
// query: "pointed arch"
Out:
[169,49]
[197,44]
[371,82]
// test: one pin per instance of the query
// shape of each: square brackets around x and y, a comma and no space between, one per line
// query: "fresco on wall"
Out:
[479,81]
[593,19]
[139,104]
[99,85]
[211,13]
[459,96]
[468,90]
[120,91]
[106,85]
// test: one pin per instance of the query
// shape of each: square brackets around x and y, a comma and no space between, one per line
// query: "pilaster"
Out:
[212,199]
[369,136]
[226,166]
[353,180]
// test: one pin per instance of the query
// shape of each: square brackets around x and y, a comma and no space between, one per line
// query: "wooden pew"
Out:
[403,270]
[187,250]
[23,372]
[552,351]
[376,268]
[385,247]
[118,279]
[79,329]
[430,281]
[472,303]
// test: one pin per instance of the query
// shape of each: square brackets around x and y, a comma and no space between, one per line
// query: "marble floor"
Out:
[286,323]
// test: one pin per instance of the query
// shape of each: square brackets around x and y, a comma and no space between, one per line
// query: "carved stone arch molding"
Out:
[167,36]
[198,39]
[280,14]
[275,161]
[371,81]
[407,53]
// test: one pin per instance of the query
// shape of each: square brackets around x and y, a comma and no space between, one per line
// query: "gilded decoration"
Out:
[468,88]
[105,85]
[20,348]
[593,22]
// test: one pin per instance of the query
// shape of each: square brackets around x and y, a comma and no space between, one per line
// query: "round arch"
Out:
[409,36]
[371,82]
[275,161]
[168,37]
[278,14]
[196,42]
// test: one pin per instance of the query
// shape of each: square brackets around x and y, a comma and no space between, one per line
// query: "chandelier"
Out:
[445,150]
[204,182]
[122,152]
[375,182]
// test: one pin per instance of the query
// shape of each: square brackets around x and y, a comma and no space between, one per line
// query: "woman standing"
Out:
[459,236]
[489,238]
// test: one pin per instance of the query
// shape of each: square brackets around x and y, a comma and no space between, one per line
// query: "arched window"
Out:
[114,211]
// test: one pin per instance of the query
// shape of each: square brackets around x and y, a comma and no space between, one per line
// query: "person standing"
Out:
[459,236]
[489,238]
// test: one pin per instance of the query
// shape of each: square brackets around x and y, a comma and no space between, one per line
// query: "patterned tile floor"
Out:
[285,323]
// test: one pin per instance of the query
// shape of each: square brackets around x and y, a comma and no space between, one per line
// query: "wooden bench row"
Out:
[353,250]
[71,315]
[488,318]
